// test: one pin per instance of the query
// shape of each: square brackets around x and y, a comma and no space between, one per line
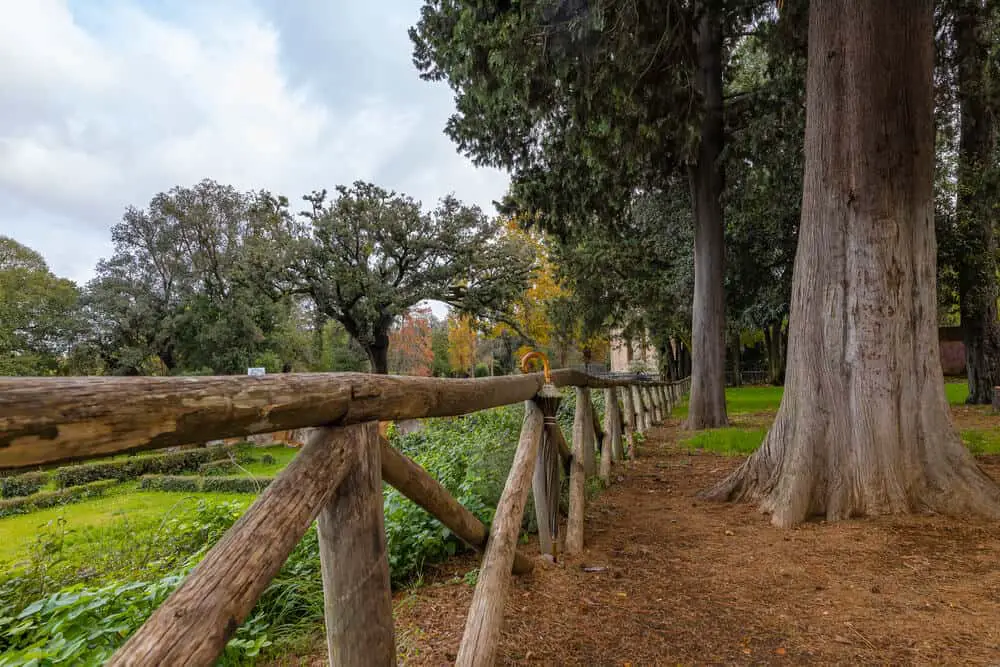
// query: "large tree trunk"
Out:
[378,354]
[707,406]
[774,341]
[977,267]
[736,353]
[863,426]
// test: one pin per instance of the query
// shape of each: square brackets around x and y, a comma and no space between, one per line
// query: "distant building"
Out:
[634,355]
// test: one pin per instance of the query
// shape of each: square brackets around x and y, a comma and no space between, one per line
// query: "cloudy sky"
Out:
[107,102]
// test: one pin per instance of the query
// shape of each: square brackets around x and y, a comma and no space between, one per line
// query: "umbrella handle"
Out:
[545,364]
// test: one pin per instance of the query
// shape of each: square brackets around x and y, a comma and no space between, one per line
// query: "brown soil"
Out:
[679,581]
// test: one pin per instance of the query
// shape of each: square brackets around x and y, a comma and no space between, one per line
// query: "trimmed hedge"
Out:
[235,484]
[170,483]
[24,484]
[37,501]
[172,463]
[189,484]
[223,467]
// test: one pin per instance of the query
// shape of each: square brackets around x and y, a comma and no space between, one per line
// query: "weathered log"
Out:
[48,420]
[628,419]
[613,421]
[607,446]
[654,399]
[585,416]
[650,408]
[416,484]
[582,427]
[482,627]
[357,600]
[640,409]
[193,625]
[599,432]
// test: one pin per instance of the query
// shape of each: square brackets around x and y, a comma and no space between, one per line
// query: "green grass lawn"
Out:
[143,510]
[741,441]
[282,457]
[956,391]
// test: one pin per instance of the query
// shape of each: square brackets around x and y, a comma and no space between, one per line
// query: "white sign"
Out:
[256,371]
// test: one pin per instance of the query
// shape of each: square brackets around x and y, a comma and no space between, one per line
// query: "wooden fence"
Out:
[336,479]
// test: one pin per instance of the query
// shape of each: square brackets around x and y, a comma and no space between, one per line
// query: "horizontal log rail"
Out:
[335,478]
[53,420]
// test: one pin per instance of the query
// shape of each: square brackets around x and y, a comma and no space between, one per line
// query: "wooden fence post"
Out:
[482,627]
[606,445]
[582,427]
[613,433]
[584,416]
[545,486]
[650,408]
[357,601]
[640,409]
[628,418]
[654,401]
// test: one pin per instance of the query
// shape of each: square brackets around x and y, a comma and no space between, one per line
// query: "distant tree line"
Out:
[211,280]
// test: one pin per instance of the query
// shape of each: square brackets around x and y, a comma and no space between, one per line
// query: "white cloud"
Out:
[101,110]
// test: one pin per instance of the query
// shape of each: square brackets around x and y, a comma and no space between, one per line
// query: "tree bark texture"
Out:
[976,262]
[736,354]
[485,619]
[54,419]
[628,420]
[640,410]
[775,342]
[863,427]
[582,427]
[585,415]
[707,408]
[613,422]
[357,600]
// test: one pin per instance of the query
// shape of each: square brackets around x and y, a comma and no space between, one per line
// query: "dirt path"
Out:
[678,581]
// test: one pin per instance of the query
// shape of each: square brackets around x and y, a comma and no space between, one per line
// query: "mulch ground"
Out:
[668,579]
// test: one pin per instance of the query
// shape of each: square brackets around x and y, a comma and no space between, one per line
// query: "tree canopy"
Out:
[369,255]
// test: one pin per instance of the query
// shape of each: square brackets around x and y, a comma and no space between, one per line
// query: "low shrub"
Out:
[24,484]
[188,484]
[267,459]
[170,483]
[223,467]
[235,484]
[244,456]
[25,504]
[135,467]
